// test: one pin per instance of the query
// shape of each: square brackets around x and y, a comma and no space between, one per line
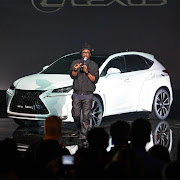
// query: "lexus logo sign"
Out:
[50,6]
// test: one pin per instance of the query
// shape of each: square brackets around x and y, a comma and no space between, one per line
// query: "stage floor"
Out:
[26,135]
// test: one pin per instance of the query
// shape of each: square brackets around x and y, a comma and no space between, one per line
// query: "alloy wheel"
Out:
[161,105]
[96,113]
[162,134]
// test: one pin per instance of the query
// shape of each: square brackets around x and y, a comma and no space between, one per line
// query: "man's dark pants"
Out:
[84,106]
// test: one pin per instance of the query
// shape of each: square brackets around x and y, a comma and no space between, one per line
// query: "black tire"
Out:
[161,105]
[29,123]
[161,134]
[96,112]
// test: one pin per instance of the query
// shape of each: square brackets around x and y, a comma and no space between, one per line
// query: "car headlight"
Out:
[62,90]
[10,90]
[12,87]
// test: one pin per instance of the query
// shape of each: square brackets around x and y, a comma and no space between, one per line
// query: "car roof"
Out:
[106,54]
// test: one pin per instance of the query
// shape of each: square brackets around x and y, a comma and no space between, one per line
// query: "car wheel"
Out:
[162,134]
[29,123]
[96,112]
[161,105]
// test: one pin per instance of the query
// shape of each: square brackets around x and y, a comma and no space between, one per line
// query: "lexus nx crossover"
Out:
[129,81]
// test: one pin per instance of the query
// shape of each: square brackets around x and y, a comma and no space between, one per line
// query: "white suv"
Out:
[129,82]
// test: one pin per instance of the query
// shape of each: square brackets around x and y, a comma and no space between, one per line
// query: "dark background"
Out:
[30,39]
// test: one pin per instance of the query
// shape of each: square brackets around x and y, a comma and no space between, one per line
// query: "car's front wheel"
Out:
[96,112]
[161,105]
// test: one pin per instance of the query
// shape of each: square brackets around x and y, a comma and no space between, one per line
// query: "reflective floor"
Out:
[163,132]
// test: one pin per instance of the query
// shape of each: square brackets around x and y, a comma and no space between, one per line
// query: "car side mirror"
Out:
[45,67]
[113,71]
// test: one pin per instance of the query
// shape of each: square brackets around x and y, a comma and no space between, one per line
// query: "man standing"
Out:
[85,73]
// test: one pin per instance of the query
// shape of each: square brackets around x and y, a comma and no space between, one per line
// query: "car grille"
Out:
[28,102]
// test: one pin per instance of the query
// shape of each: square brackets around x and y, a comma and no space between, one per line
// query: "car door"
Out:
[115,87]
[138,70]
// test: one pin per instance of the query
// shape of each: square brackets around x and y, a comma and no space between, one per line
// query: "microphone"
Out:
[83,62]
[85,59]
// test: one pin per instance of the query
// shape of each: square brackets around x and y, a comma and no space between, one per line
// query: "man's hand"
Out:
[76,66]
[85,68]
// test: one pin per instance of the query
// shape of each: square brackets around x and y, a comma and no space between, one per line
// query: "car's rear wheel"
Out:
[96,112]
[161,105]
[29,123]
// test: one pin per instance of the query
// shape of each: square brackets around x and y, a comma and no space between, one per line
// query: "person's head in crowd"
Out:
[140,132]
[160,152]
[52,128]
[97,137]
[120,131]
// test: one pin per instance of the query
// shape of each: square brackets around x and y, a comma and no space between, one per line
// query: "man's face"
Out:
[86,53]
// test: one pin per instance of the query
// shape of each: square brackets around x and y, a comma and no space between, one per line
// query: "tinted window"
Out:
[62,66]
[98,59]
[135,63]
[117,62]
[148,62]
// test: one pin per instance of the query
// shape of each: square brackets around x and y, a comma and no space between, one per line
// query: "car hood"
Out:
[43,82]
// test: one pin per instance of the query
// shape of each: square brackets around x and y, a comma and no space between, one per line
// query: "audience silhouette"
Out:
[171,170]
[44,156]
[8,159]
[128,159]
[119,132]
[140,136]
[94,158]
[160,152]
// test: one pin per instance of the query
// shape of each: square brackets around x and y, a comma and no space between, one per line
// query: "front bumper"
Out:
[38,105]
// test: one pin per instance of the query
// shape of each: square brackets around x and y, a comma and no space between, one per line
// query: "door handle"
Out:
[151,74]
[127,80]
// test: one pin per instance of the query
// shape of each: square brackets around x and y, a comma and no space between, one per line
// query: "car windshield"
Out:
[62,66]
